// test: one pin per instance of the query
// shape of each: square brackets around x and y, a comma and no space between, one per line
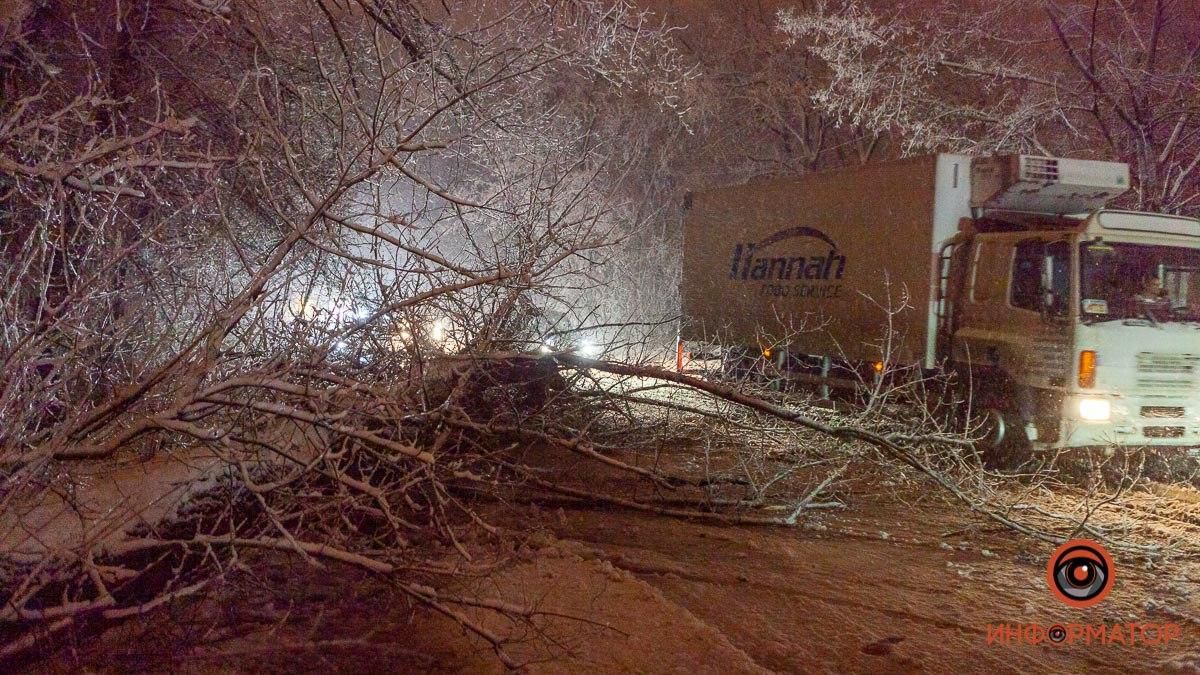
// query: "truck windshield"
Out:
[1158,284]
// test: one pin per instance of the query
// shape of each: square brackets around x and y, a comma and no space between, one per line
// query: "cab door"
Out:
[1014,333]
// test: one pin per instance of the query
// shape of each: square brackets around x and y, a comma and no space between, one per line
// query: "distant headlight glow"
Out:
[439,332]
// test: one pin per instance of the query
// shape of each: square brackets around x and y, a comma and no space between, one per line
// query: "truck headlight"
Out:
[1095,409]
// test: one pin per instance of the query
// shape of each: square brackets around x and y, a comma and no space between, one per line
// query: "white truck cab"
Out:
[1078,330]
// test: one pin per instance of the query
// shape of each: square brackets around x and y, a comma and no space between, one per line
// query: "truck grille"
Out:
[1163,432]
[1162,411]
[1167,372]
[1150,362]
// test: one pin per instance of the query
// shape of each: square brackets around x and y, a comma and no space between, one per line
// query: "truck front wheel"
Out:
[995,423]
[994,428]
[1001,440]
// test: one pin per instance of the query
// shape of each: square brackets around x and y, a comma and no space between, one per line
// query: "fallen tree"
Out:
[393,483]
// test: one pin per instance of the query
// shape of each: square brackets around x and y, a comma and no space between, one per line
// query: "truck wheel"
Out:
[994,422]
[1013,449]
[994,429]
[1004,444]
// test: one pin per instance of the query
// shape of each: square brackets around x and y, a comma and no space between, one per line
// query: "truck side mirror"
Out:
[1045,289]
[1052,304]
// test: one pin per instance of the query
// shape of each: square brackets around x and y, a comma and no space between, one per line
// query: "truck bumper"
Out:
[1133,421]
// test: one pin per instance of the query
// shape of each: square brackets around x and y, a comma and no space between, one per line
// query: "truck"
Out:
[1074,324]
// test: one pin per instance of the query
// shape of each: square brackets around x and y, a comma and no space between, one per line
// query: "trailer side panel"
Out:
[816,260]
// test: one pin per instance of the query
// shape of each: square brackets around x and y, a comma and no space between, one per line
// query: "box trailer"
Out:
[1007,270]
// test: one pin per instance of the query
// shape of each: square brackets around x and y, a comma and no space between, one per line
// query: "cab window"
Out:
[1041,278]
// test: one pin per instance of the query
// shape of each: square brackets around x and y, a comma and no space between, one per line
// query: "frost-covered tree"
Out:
[1103,79]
